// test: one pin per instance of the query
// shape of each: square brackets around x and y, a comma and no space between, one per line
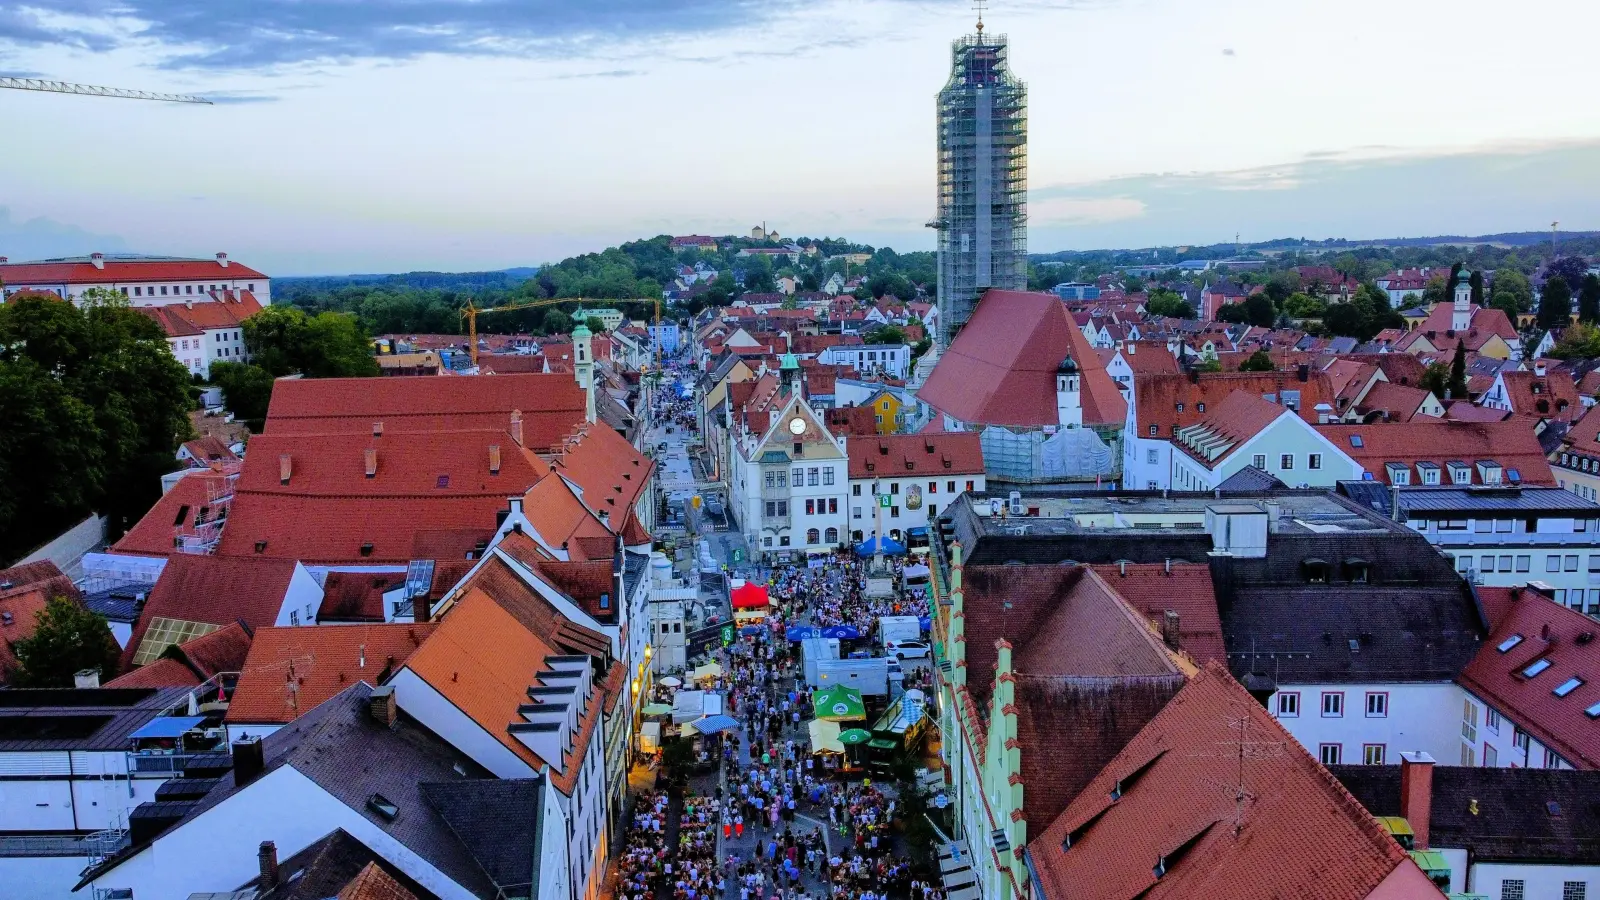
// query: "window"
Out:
[1571,563]
[138,292]
[1152,457]
[1519,739]
[1574,890]
[833,535]
[772,509]
[772,479]
[1522,563]
[798,477]
[1330,754]
[1377,704]
[1259,460]
[783,480]
[894,512]
[894,487]
[1469,757]
[969,485]
[1180,407]
[1199,407]
[1286,461]
[1332,704]
[1491,756]
[1288,704]
[950,486]
[1568,686]
[855,490]
[766,542]
[855,512]
[813,536]
[1315,461]
[813,477]
[1552,563]
[933,487]
[1372,754]
[827,475]
[1511,889]
[783,508]
[811,509]
[1153,430]
[1594,562]
[1552,759]
[1536,667]
[1469,722]
[1491,720]
[294,617]
[783,541]
[833,505]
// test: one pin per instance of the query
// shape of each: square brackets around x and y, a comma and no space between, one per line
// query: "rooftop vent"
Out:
[384,807]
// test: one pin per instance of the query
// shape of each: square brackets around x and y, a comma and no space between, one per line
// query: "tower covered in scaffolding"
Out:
[983,179]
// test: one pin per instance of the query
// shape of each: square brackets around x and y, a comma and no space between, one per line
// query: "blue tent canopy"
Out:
[714,724]
[803,632]
[888,546]
[925,623]
[842,632]
[168,727]
[751,629]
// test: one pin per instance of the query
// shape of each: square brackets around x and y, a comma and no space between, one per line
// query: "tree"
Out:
[595,325]
[1589,300]
[1435,379]
[1304,306]
[1458,373]
[1233,314]
[1514,284]
[246,389]
[1437,291]
[67,639]
[1578,342]
[283,340]
[1259,310]
[1475,281]
[1349,265]
[1555,303]
[1570,269]
[1168,304]
[93,401]
[1258,361]
[884,334]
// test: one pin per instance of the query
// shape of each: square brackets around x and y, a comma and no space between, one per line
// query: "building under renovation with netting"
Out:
[983,179]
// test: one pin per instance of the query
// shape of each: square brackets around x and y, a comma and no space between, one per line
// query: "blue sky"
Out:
[383,135]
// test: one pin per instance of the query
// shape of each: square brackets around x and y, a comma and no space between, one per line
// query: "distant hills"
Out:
[502,278]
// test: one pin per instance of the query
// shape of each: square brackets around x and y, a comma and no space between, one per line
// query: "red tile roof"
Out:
[1584,436]
[608,470]
[216,591]
[1149,357]
[551,405]
[424,483]
[19,618]
[1227,426]
[174,515]
[1402,403]
[1153,588]
[1551,397]
[209,449]
[908,455]
[1283,828]
[193,663]
[1001,367]
[164,672]
[1548,631]
[130,271]
[358,596]
[1511,443]
[222,309]
[1158,397]
[291,670]
[43,576]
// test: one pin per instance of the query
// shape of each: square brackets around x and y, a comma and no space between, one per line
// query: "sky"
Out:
[391,135]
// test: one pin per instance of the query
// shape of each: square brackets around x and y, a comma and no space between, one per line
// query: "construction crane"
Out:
[94,90]
[471,314]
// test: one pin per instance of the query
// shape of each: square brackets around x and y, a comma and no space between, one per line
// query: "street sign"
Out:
[883,500]
[738,555]
[727,635]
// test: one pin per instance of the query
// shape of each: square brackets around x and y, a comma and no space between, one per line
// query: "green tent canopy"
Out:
[854,736]
[838,704]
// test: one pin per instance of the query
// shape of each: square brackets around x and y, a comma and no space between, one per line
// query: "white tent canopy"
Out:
[825,736]
[688,706]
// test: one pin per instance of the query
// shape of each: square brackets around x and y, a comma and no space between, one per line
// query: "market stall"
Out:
[840,703]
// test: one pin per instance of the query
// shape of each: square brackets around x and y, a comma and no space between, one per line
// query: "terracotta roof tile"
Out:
[1001,368]
[1153,588]
[193,663]
[19,617]
[1500,678]
[1297,833]
[162,673]
[130,271]
[1158,398]
[373,883]
[321,661]
[1511,443]
[907,455]
[358,596]
[1239,417]
[1402,403]
[1542,396]
[216,591]
[174,515]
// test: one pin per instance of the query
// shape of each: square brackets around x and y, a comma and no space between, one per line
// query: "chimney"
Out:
[1416,793]
[248,761]
[267,856]
[285,468]
[494,459]
[98,260]
[1539,369]
[1170,634]
[419,608]
[371,455]
[222,260]
[377,429]
[1131,347]
[516,426]
[86,679]
[381,705]
[1304,372]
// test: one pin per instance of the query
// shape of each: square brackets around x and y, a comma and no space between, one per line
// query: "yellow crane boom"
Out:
[471,314]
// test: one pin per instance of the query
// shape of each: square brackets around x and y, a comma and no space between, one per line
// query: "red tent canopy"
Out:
[749,596]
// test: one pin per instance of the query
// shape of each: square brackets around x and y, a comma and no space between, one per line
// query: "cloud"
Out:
[611,73]
[263,34]
[1363,193]
[231,98]
[41,238]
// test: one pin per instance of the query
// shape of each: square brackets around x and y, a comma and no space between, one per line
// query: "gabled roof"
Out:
[291,670]
[1400,402]
[339,866]
[1001,368]
[194,662]
[911,455]
[1227,427]
[222,309]
[1584,436]
[499,821]
[608,470]
[215,591]
[19,618]
[119,270]
[1158,397]
[174,515]
[1500,677]
[1541,396]
[551,405]
[1184,588]
[1511,443]
[1162,821]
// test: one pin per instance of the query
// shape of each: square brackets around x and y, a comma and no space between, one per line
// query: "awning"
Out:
[709,670]
[714,724]
[824,736]
[168,727]
[887,546]
[839,703]
[749,596]
[855,736]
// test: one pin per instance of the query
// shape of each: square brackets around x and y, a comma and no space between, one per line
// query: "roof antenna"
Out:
[979,5]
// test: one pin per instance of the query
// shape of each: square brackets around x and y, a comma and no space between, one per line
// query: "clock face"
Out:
[797,425]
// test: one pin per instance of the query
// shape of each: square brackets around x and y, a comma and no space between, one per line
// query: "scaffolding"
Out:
[982,217]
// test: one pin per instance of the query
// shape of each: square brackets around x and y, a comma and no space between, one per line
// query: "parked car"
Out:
[715,508]
[907,649]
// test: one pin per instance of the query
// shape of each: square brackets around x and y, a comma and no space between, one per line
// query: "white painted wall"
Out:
[55,791]
[302,599]
[1539,881]
[421,702]
[41,877]
[1420,717]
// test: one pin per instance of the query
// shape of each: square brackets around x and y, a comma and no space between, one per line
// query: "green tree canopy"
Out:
[1258,361]
[67,640]
[1589,300]
[1304,306]
[1458,373]
[1555,303]
[1436,379]
[1514,284]
[246,389]
[283,340]
[1169,304]
[884,334]
[1578,342]
[93,401]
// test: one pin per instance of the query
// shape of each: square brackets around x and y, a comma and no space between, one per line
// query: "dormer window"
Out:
[1316,570]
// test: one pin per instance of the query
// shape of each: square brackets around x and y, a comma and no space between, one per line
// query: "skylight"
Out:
[1355,440]
[1567,687]
[1509,642]
[1593,712]
[1539,665]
